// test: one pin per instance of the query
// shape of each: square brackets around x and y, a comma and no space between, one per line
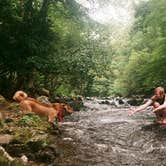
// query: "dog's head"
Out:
[20,95]
[67,108]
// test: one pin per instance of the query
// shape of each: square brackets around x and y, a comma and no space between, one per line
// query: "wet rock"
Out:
[24,159]
[104,102]
[5,155]
[7,160]
[43,99]
[117,102]
[29,147]
[121,101]
[67,139]
[76,103]
[44,92]
[135,101]
[47,154]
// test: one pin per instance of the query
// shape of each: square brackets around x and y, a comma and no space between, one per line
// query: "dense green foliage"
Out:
[146,65]
[26,42]
[48,44]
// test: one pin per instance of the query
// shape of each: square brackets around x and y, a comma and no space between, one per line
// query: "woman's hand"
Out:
[155,110]
[131,111]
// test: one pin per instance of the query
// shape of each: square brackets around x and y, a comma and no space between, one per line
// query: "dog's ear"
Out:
[67,108]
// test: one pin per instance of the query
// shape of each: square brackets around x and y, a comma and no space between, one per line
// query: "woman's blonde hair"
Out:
[160,90]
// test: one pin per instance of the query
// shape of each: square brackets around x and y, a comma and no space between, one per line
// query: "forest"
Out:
[56,45]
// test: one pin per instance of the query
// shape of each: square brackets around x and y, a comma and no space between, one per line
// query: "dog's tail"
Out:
[20,95]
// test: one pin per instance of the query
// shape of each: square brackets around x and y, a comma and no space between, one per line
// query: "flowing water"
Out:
[106,136]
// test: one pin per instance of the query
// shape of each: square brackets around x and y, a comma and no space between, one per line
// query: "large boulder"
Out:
[135,101]
[76,103]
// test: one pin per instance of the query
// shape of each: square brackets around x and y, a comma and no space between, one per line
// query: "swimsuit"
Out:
[160,101]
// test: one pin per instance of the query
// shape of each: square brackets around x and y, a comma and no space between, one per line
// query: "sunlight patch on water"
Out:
[101,147]
[124,151]
[116,120]
[151,149]
[68,139]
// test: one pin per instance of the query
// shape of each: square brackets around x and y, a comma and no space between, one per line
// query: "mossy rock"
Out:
[75,103]
[23,135]
[13,107]
[1,123]
[17,162]
[4,161]
[27,143]
[30,120]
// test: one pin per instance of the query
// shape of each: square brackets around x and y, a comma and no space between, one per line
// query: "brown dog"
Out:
[61,108]
[31,105]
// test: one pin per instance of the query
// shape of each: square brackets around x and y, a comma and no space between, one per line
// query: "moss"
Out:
[1,123]
[17,162]
[13,107]
[4,161]
[30,120]
[22,135]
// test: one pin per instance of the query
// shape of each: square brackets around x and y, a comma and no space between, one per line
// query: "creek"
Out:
[106,136]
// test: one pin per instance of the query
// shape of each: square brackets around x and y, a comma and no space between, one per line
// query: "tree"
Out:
[146,64]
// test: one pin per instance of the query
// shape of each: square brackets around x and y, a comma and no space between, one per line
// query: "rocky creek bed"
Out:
[101,135]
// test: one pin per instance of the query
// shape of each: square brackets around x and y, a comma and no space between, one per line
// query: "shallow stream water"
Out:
[107,136]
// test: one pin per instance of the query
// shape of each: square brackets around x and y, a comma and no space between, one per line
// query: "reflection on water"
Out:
[106,136]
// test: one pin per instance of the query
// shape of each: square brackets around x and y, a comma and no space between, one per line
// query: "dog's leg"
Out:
[25,107]
[55,127]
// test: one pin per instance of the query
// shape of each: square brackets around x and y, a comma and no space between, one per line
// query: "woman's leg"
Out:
[163,114]
[156,104]
[159,114]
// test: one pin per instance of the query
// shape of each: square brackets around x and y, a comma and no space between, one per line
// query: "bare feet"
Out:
[162,122]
